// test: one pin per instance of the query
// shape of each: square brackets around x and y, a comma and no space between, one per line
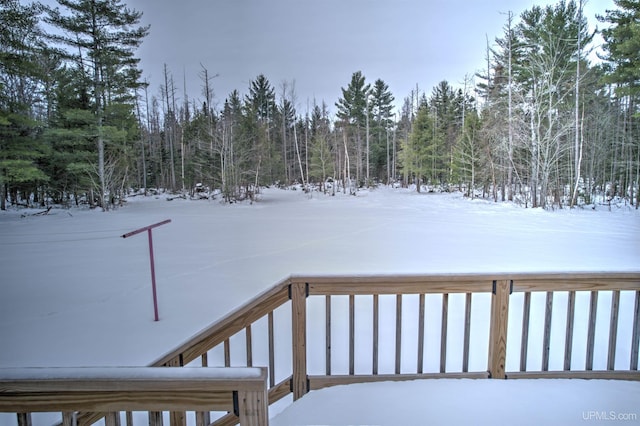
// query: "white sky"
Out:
[320,43]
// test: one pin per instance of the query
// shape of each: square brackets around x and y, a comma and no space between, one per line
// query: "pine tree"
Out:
[260,112]
[622,47]
[446,105]
[21,49]
[70,137]
[353,112]
[382,112]
[101,37]
[417,153]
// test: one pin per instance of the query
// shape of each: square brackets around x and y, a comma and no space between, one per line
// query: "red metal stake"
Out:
[151,261]
[153,276]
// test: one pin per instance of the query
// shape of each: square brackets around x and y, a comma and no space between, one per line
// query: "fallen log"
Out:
[41,213]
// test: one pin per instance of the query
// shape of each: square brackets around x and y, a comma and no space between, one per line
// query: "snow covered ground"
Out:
[469,402]
[76,294]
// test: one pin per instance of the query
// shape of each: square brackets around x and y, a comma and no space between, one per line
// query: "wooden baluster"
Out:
[247,334]
[376,323]
[155,418]
[613,329]
[327,335]
[546,340]
[635,334]
[398,332]
[352,325]
[272,358]
[591,330]
[112,419]
[568,337]
[176,418]
[420,369]
[524,341]
[227,353]
[69,418]
[467,333]
[24,419]
[443,333]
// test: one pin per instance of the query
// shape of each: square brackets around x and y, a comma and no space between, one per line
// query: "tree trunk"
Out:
[510,148]
[295,139]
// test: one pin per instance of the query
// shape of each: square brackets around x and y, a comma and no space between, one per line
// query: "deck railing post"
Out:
[498,328]
[253,408]
[298,293]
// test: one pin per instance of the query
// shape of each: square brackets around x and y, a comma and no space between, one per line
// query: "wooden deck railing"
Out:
[112,390]
[294,329]
[285,310]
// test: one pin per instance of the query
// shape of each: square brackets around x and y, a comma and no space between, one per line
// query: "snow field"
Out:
[76,294]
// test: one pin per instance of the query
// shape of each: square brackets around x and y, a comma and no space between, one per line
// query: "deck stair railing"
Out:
[297,330]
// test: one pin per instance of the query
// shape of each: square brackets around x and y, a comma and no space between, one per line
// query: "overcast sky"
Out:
[321,43]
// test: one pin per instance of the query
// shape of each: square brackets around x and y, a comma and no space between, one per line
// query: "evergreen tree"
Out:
[622,47]
[260,112]
[382,113]
[71,139]
[101,37]
[21,49]
[446,108]
[418,152]
[353,112]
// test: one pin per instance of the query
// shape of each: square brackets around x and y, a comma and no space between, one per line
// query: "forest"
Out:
[540,125]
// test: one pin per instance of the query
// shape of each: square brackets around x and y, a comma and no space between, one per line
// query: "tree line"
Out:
[539,125]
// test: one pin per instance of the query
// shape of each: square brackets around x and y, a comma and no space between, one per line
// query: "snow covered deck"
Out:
[462,402]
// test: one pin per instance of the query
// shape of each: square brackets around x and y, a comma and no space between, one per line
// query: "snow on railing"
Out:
[115,389]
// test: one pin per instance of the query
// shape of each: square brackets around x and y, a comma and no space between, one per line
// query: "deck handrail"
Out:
[277,295]
[115,389]
[291,296]
[297,289]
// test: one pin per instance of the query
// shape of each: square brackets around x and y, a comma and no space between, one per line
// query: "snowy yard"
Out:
[76,294]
